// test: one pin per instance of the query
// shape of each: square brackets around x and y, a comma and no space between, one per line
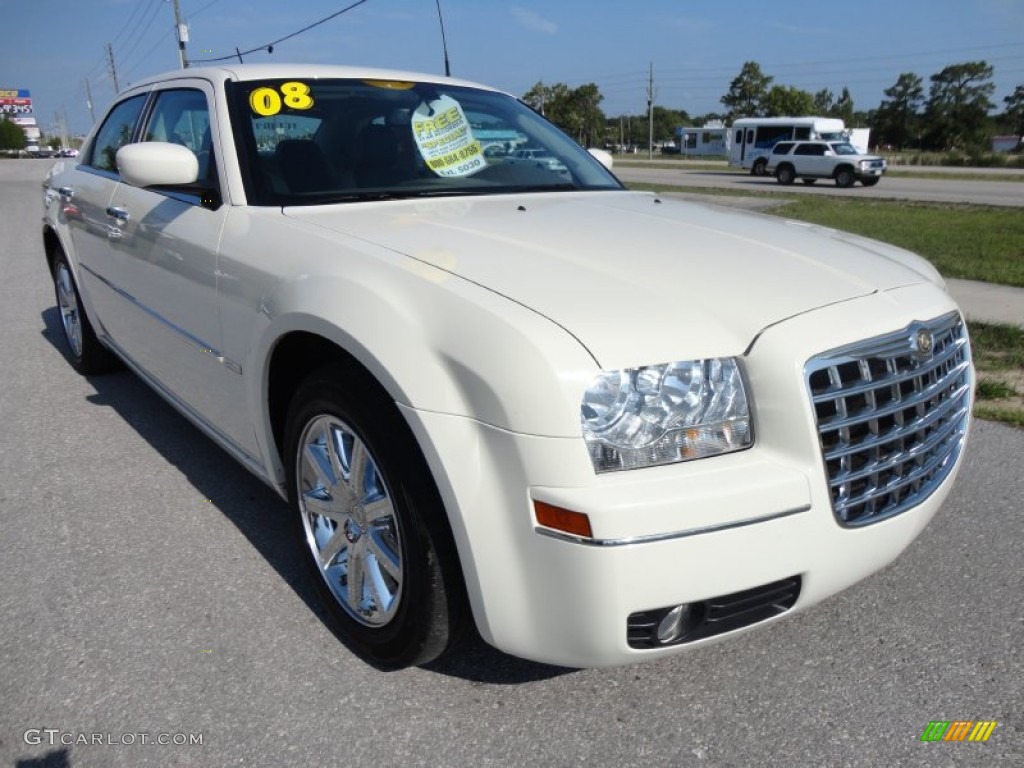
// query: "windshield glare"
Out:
[324,141]
[842,148]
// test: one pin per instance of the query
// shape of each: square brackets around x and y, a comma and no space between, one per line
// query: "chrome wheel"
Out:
[350,522]
[69,313]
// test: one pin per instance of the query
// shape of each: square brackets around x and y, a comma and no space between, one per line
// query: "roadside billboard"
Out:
[15,101]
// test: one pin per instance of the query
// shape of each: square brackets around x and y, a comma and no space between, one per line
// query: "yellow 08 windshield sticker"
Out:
[445,138]
[266,101]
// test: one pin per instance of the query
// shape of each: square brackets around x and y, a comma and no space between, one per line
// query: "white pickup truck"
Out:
[813,160]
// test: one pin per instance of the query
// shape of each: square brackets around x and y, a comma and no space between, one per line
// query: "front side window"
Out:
[844,148]
[181,116]
[327,141]
[116,131]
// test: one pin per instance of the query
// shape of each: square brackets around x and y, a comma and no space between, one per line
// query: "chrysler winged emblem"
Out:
[924,343]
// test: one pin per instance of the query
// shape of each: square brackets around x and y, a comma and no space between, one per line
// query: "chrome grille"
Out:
[892,415]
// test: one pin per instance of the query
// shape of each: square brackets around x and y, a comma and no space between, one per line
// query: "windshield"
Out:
[842,148]
[326,141]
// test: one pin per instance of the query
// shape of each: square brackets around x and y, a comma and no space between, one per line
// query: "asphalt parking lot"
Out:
[148,585]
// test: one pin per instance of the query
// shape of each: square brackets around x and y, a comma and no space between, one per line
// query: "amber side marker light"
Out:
[550,516]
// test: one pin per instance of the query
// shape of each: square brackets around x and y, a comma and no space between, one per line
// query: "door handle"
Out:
[118,213]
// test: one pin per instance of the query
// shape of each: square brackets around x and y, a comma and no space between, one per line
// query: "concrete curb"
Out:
[989,302]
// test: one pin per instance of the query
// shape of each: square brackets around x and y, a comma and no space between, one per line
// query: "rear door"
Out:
[809,160]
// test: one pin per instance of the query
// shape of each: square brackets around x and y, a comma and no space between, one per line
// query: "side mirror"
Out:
[157,164]
[165,166]
[603,157]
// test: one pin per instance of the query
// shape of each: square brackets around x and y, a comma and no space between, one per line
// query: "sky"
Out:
[53,47]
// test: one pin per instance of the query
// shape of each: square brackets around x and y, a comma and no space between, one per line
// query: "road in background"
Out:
[978,192]
[148,584]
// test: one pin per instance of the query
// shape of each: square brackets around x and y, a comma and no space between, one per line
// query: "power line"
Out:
[637,76]
[137,9]
[269,47]
[196,13]
[139,39]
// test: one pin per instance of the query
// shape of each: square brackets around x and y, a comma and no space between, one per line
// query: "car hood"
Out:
[637,279]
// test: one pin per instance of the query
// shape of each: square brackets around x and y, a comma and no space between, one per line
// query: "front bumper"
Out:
[665,535]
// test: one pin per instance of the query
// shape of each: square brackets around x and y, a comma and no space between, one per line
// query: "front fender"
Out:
[434,341]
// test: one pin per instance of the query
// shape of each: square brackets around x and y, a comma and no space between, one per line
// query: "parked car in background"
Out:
[538,157]
[813,160]
[602,426]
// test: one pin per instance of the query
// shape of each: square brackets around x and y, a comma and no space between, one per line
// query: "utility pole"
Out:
[650,113]
[113,68]
[182,30]
[88,100]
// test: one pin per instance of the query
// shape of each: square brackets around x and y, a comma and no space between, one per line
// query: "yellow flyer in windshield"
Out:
[445,138]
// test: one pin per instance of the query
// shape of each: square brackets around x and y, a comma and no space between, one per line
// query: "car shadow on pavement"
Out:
[258,513]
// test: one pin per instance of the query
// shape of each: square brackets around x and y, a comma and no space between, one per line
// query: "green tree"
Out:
[1014,115]
[747,92]
[666,121]
[896,120]
[824,101]
[586,115]
[958,104]
[843,108]
[575,111]
[785,100]
[546,97]
[11,135]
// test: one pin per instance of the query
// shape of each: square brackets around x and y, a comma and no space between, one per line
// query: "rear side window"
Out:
[115,132]
[810,149]
[782,148]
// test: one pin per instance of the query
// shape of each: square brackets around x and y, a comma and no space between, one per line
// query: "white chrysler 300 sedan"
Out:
[602,426]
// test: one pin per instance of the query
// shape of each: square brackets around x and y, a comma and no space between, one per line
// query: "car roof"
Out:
[246,72]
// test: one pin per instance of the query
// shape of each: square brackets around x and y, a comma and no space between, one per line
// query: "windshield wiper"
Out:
[403,194]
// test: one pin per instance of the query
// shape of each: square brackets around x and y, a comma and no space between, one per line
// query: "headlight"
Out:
[865,165]
[660,414]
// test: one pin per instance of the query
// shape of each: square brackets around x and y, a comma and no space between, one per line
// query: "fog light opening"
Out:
[673,624]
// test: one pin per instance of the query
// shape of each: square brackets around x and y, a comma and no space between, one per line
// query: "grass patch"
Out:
[997,347]
[951,176]
[973,242]
[1013,417]
[990,389]
[999,362]
[966,241]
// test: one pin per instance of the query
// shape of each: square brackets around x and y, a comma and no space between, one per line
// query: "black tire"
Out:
[870,181]
[85,353]
[408,605]
[785,175]
[844,178]
[808,181]
[758,168]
